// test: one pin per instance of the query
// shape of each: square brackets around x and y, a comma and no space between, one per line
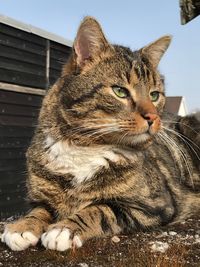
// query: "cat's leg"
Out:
[99,220]
[26,231]
[93,221]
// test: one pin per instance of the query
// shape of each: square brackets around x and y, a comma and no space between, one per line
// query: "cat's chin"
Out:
[142,140]
[139,140]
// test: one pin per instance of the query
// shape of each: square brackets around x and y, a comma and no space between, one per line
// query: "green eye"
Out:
[154,96]
[120,92]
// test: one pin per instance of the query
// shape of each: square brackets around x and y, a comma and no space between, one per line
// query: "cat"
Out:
[105,158]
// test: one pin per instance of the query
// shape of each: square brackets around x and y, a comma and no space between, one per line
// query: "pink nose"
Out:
[150,117]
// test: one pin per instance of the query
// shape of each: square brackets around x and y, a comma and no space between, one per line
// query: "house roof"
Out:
[31,29]
[173,104]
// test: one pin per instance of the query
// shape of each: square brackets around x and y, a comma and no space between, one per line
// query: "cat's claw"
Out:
[60,239]
[19,241]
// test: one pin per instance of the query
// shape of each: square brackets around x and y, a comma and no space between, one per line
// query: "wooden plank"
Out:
[22,44]
[8,30]
[10,109]
[12,153]
[26,79]
[47,62]
[12,142]
[11,165]
[13,204]
[11,189]
[17,121]
[14,211]
[20,98]
[55,73]
[19,66]
[21,89]
[16,187]
[58,55]
[52,80]
[56,65]
[13,177]
[13,201]
[60,47]
[53,77]
[12,194]
[23,56]
[16,131]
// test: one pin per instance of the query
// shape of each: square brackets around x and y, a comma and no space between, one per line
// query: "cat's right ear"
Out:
[90,41]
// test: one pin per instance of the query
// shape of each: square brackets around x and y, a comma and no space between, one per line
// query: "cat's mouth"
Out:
[143,131]
[145,137]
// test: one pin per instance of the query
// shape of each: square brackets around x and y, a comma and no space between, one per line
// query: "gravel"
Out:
[177,245]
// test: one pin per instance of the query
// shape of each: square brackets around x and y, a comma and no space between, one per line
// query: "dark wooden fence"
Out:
[29,64]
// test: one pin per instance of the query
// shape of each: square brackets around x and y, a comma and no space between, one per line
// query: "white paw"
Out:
[59,239]
[19,241]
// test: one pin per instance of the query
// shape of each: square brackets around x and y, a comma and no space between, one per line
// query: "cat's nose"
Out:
[150,118]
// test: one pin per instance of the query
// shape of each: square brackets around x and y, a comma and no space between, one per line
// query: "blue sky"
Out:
[131,23]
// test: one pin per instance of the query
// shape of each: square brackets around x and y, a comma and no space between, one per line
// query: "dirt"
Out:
[174,246]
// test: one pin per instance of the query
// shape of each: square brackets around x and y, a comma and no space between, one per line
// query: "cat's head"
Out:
[111,94]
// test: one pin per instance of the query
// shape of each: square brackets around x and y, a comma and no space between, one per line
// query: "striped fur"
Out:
[100,164]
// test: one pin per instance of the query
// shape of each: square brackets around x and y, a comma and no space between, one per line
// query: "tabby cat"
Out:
[105,159]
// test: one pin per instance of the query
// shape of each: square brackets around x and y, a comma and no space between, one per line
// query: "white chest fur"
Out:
[81,162]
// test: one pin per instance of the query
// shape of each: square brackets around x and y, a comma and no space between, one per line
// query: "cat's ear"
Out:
[154,51]
[90,41]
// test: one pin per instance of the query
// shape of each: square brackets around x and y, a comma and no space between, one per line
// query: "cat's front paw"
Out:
[19,240]
[60,239]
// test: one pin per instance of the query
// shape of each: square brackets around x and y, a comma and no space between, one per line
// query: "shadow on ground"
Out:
[177,246]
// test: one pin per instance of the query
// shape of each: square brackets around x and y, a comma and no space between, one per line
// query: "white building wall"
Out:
[182,108]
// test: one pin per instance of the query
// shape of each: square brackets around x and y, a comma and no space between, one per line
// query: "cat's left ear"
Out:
[90,41]
[154,51]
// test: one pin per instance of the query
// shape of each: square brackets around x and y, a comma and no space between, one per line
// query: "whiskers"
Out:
[178,122]
[177,150]
[186,140]
[94,129]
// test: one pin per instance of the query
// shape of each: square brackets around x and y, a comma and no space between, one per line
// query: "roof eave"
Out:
[31,29]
